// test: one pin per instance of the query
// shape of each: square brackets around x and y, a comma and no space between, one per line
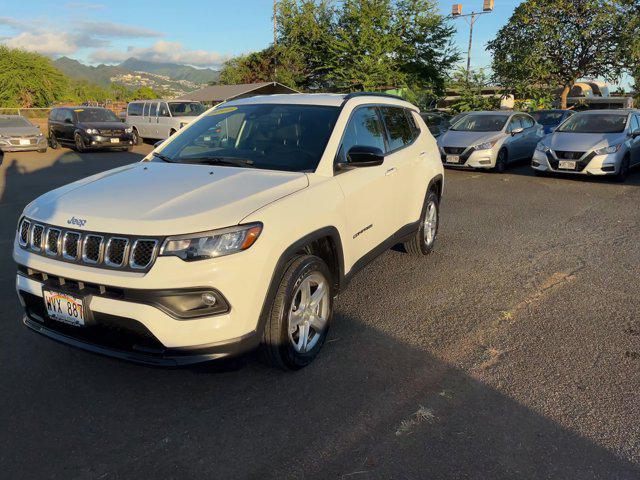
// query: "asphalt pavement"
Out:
[512,352]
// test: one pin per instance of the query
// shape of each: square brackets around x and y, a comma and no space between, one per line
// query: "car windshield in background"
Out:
[186,109]
[548,118]
[7,122]
[481,123]
[268,136]
[595,123]
[96,115]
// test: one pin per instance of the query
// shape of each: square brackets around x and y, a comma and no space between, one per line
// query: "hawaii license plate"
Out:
[115,140]
[453,159]
[25,141]
[64,307]
[567,164]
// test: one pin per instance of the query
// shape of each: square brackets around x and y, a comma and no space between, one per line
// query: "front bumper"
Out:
[472,158]
[589,164]
[13,144]
[100,141]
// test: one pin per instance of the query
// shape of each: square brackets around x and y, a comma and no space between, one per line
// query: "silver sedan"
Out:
[19,134]
[490,140]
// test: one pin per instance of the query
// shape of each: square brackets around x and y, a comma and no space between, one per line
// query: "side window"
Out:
[164,110]
[415,128]
[135,109]
[527,122]
[53,115]
[145,111]
[364,129]
[635,123]
[153,109]
[514,124]
[66,116]
[398,128]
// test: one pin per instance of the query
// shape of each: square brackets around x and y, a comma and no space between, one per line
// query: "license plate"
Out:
[115,140]
[64,307]
[567,164]
[453,159]
[25,141]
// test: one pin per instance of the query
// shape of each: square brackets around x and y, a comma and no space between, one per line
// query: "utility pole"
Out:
[456,12]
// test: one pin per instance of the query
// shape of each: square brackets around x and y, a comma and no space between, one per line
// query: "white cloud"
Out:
[161,51]
[84,6]
[45,43]
[115,30]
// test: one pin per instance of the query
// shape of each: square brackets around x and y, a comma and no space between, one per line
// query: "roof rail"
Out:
[349,96]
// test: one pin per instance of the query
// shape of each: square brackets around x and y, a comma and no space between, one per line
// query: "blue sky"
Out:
[197,32]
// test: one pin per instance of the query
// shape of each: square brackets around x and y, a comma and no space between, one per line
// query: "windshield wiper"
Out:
[162,157]
[227,161]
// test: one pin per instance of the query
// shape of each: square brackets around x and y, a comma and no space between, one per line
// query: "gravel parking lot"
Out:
[512,352]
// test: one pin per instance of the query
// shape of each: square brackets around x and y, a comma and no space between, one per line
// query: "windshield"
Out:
[275,137]
[548,118]
[186,109]
[14,122]
[595,123]
[96,115]
[481,123]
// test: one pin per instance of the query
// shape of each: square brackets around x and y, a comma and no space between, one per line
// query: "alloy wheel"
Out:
[309,312]
[430,227]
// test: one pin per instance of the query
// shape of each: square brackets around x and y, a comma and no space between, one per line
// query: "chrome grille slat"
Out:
[100,250]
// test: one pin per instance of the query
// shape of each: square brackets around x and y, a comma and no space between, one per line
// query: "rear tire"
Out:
[300,314]
[424,240]
[501,161]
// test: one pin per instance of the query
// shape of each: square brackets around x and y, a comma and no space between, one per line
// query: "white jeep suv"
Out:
[236,233]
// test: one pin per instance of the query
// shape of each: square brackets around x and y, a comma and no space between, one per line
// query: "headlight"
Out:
[128,130]
[485,146]
[217,243]
[41,135]
[91,131]
[609,150]
[542,148]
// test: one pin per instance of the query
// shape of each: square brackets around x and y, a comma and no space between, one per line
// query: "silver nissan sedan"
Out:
[597,142]
[490,140]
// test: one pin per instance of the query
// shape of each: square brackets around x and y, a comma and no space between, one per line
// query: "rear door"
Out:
[635,142]
[152,125]
[533,134]
[401,161]
[368,191]
[66,125]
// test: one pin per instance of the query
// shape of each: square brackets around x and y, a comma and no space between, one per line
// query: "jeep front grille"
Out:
[102,250]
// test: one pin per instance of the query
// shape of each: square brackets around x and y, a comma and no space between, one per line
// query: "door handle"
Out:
[424,154]
[391,171]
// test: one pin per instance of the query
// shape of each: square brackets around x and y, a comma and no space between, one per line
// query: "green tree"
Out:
[549,44]
[471,91]
[29,80]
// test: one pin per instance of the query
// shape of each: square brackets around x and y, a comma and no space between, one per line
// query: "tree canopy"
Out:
[353,45]
[549,44]
[29,80]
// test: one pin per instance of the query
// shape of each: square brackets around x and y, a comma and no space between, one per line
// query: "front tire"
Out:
[501,161]
[137,139]
[79,143]
[424,240]
[53,141]
[300,315]
[623,173]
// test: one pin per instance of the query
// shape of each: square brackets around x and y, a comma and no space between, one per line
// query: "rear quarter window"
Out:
[399,131]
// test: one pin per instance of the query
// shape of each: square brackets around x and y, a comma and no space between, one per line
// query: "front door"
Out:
[368,191]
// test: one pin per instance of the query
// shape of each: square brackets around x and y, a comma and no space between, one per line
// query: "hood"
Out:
[452,138]
[104,125]
[582,142]
[19,131]
[160,199]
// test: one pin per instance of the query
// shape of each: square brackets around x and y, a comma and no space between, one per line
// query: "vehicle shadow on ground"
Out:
[370,407]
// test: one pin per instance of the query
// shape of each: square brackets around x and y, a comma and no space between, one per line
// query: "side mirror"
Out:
[68,120]
[516,131]
[360,156]
[158,143]
[635,134]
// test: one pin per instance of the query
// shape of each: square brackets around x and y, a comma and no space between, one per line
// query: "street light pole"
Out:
[456,12]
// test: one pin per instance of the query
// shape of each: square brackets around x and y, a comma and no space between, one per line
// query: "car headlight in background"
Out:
[217,243]
[128,130]
[542,148]
[92,131]
[609,150]
[485,146]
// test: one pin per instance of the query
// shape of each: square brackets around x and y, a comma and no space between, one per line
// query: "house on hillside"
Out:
[215,94]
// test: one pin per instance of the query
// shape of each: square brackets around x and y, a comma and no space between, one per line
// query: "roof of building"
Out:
[221,93]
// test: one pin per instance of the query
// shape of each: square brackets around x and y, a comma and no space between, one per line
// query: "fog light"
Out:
[208,298]
[485,162]
[535,164]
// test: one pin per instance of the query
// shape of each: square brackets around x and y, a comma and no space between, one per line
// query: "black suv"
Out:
[86,128]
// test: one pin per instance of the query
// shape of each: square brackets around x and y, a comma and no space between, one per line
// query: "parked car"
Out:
[550,119]
[236,233]
[19,134]
[457,117]
[593,142]
[490,140]
[437,122]
[85,128]
[159,119]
